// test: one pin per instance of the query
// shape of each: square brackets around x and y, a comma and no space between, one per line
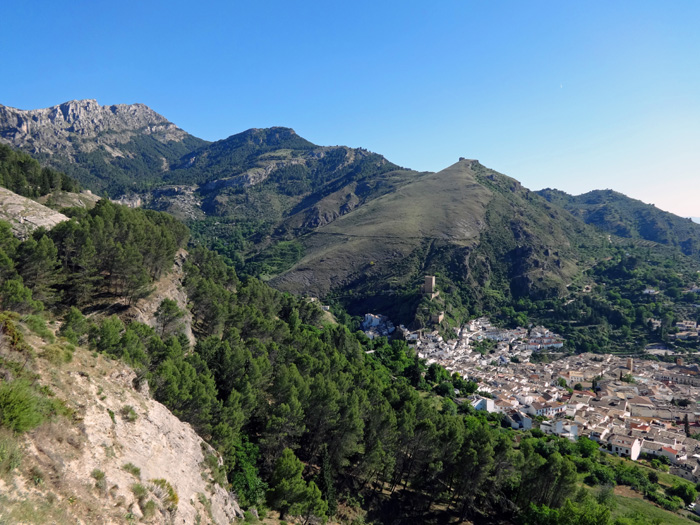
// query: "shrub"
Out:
[218,472]
[99,476]
[8,327]
[171,497]
[20,409]
[140,492]
[75,325]
[249,517]
[149,509]
[683,490]
[600,475]
[37,324]
[10,452]
[128,413]
[36,475]
[132,469]
[57,354]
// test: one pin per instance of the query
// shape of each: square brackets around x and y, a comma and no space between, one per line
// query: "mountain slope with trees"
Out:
[630,218]
[310,419]
[118,148]
[306,416]
[350,226]
[487,238]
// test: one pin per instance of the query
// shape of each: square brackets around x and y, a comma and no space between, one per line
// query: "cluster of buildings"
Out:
[377,326]
[629,406]
[462,353]
[686,330]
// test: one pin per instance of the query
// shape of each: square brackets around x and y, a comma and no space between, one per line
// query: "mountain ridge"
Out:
[97,144]
[626,217]
[333,219]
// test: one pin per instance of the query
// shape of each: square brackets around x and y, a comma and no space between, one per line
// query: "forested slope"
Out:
[23,175]
[307,416]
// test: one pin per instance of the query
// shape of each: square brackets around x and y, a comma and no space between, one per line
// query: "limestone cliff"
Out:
[118,148]
[82,126]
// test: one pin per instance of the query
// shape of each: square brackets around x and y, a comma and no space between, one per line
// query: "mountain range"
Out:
[343,223]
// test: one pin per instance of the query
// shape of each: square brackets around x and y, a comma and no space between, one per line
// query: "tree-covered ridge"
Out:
[626,217]
[110,251]
[141,168]
[23,175]
[227,157]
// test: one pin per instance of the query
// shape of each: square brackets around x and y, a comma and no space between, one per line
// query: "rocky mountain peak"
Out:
[82,125]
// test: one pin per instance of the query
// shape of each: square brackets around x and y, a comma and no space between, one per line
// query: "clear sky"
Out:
[572,95]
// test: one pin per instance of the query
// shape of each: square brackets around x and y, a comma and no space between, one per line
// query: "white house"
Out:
[625,446]
[484,403]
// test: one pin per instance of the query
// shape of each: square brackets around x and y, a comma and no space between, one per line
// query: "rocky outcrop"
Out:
[170,286]
[81,126]
[64,199]
[250,177]
[26,215]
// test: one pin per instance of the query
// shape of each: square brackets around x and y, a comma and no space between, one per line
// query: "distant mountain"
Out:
[343,222]
[626,217]
[481,232]
[114,148]
[273,174]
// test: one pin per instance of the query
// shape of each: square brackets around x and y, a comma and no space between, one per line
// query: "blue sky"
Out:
[572,95]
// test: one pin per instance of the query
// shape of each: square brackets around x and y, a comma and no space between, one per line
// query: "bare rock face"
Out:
[26,215]
[80,126]
[150,438]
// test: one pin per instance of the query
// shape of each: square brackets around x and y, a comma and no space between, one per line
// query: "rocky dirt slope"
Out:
[170,286]
[121,458]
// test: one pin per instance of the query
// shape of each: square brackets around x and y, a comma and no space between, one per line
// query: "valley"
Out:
[533,335]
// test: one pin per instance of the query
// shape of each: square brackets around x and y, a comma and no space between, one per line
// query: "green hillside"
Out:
[23,175]
[626,217]
[310,419]
[484,235]
[349,226]
[139,169]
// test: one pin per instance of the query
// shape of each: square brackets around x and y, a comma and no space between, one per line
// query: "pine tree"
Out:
[288,487]
[167,315]
[40,269]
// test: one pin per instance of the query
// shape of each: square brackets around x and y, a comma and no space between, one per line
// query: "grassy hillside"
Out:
[487,238]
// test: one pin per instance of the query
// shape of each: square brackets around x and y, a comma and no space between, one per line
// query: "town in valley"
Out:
[631,406]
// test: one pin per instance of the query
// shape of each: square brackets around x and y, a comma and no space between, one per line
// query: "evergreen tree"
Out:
[167,315]
[39,267]
[288,486]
